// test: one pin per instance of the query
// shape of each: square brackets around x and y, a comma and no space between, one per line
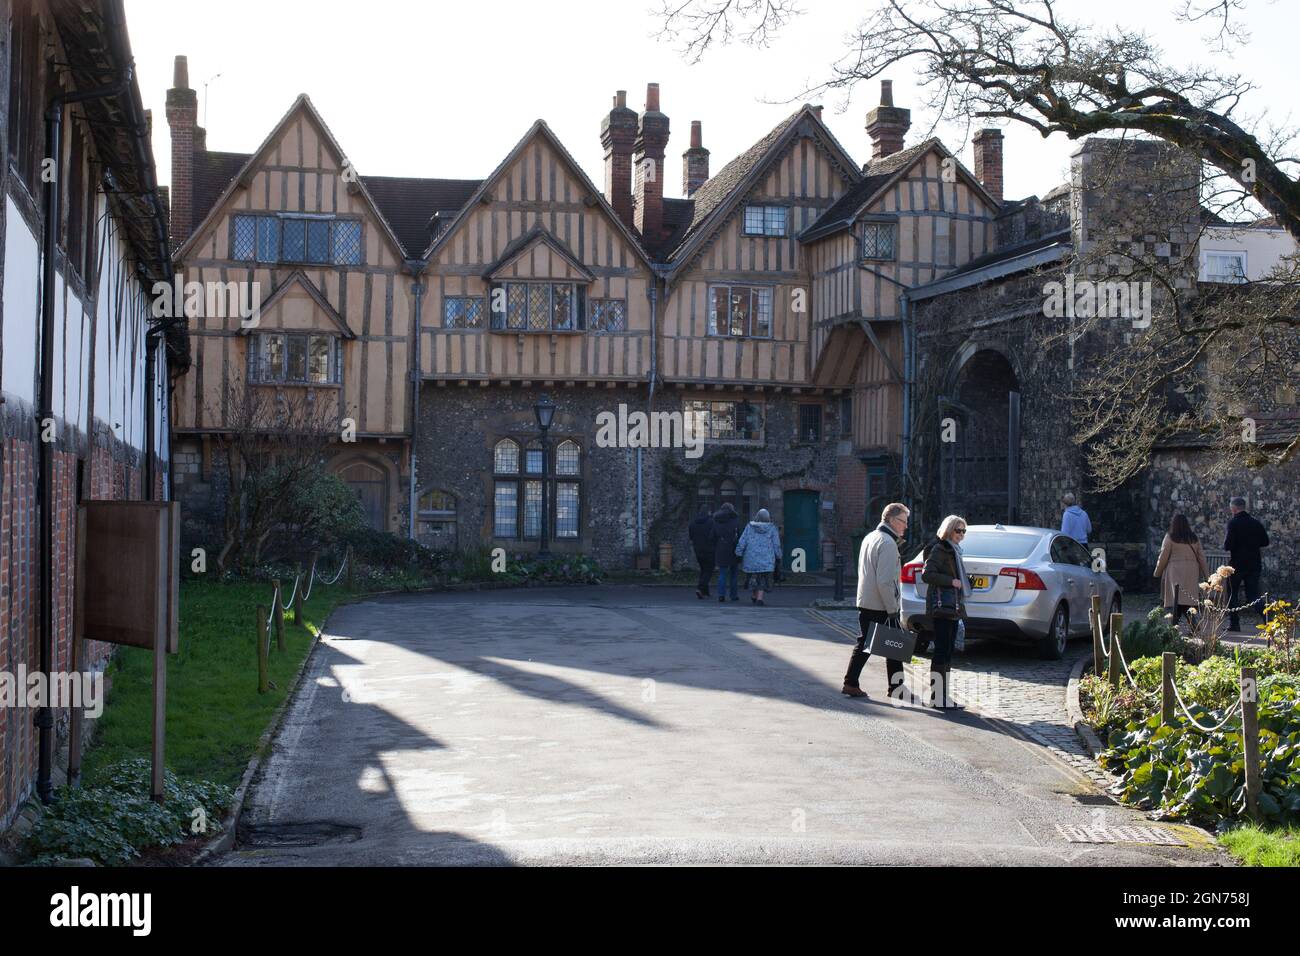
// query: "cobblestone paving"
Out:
[1013,686]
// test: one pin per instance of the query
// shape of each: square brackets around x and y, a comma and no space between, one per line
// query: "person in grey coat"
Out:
[878,599]
[758,548]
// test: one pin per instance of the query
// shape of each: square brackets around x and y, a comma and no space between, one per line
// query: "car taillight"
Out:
[1025,580]
[910,571]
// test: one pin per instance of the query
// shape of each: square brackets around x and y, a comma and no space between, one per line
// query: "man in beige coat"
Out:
[878,597]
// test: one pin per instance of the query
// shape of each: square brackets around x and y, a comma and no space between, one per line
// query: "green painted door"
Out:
[802,514]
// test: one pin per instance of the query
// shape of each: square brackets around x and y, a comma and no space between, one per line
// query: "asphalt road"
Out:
[639,725]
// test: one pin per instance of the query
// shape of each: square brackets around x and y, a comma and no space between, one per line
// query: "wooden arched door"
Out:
[370,485]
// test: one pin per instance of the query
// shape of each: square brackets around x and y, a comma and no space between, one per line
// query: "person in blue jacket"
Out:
[758,549]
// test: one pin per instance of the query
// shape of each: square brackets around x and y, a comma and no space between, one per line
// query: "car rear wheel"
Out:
[1052,646]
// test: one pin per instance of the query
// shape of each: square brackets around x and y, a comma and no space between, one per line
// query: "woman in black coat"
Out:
[726,525]
[945,577]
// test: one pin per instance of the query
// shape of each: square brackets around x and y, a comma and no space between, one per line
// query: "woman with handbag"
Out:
[946,589]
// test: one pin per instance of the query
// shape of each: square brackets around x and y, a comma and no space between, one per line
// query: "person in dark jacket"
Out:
[726,526]
[703,540]
[945,573]
[1246,537]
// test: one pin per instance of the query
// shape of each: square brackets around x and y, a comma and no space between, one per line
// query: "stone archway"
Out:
[979,465]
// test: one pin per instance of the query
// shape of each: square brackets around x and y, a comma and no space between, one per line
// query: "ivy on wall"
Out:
[677,498]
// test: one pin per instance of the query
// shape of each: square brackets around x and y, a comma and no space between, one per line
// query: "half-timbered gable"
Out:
[298,231]
[739,308]
[916,215]
[537,279]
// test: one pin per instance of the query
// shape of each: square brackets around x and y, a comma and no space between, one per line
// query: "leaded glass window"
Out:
[506,458]
[462,312]
[538,307]
[302,359]
[532,509]
[741,311]
[347,242]
[567,458]
[741,421]
[765,220]
[295,240]
[243,243]
[607,315]
[566,509]
[533,459]
[878,240]
[505,509]
[268,239]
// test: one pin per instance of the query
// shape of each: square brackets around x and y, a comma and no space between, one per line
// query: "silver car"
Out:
[1029,585]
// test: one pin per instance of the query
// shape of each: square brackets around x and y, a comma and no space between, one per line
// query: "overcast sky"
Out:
[446,89]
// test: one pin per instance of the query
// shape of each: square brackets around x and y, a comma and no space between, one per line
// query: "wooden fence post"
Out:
[263,674]
[348,558]
[1168,662]
[1116,630]
[297,599]
[1094,618]
[278,612]
[1250,739]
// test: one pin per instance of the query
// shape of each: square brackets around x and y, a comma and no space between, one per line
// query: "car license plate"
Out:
[979,581]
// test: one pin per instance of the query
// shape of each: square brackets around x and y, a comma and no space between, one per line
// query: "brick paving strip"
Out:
[1011,687]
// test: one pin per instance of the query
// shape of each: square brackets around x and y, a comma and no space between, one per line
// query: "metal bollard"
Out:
[839,577]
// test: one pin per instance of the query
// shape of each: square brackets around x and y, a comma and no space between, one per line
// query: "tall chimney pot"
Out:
[695,162]
[988,161]
[648,168]
[887,124]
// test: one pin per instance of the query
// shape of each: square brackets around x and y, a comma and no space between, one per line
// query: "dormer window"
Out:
[878,240]
[765,220]
[296,359]
[317,240]
[536,307]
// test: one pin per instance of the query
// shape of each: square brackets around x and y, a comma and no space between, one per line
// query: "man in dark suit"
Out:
[703,541]
[1246,536]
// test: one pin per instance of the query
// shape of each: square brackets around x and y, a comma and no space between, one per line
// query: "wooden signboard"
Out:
[130,572]
[128,592]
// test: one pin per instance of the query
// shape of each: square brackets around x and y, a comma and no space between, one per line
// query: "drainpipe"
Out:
[45,414]
[903,311]
[650,399]
[418,289]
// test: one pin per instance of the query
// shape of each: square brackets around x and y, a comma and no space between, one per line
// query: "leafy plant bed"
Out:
[111,820]
[1182,773]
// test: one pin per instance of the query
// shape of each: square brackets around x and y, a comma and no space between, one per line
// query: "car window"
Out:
[1061,550]
[999,544]
[1079,554]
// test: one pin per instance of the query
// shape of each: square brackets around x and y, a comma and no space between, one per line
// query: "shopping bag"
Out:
[891,642]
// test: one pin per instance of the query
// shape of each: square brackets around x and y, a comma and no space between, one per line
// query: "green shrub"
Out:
[1150,637]
[1180,772]
[112,819]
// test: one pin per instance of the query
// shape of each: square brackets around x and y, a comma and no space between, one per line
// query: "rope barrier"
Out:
[337,574]
[311,579]
[275,599]
[1119,646]
[1195,723]
[297,577]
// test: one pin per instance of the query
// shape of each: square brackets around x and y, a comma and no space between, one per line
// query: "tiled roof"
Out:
[678,216]
[406,203]
[409,203]
[845,209]
[213,172]
[1003,253]
[719,187]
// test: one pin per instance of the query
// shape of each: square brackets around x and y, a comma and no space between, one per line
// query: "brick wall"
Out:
[111,477]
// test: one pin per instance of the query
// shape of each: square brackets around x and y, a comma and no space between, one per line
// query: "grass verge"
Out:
[215,715]
[1260,846]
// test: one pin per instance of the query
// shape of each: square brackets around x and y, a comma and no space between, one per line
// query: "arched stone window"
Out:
[517,491]
[568,489]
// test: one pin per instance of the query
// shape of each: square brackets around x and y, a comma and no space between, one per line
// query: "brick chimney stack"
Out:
[618,135]
[648,168]
[695,162]
[182,117]
[988,161]
[887,124]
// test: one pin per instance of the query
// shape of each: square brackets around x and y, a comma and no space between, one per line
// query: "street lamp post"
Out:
[544,409]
